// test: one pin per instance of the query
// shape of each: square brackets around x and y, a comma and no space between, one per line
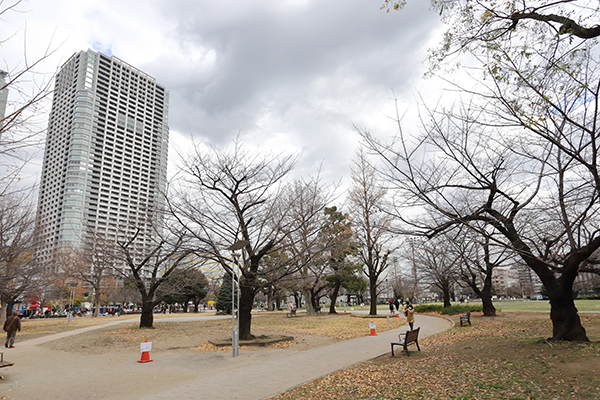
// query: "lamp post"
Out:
[235,327]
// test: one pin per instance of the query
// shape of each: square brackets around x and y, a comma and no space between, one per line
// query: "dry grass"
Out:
[308,331]
[496,358]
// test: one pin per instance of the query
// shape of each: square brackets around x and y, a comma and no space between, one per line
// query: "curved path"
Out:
[44,373]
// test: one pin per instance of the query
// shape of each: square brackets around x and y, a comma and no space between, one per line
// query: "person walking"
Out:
[11,326]
[391,303]
[409,313]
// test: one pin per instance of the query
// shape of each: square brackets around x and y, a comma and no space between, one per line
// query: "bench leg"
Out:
[417,343]
[392,349]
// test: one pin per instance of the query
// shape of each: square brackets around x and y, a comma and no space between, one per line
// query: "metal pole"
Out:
[235,338]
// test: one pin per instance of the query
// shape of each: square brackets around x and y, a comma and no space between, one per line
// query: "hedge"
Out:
[452,310]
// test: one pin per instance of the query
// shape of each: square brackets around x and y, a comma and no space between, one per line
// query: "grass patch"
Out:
[452,310]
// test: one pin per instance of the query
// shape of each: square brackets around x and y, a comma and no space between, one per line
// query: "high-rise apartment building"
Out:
[105,159]
[3,95]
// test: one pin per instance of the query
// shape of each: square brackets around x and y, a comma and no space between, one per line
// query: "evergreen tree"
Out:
[223,303]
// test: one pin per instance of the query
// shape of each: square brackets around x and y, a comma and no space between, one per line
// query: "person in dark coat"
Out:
[11,326]
[397,304]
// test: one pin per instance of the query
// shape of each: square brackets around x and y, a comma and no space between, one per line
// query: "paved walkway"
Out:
[175,375]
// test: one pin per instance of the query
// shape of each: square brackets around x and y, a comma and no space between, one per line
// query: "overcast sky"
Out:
[286,75]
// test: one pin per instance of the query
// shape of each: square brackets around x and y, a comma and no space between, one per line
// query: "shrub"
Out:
[452,310]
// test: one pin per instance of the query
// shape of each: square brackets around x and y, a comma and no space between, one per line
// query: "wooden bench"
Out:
[406,339]
[292,313]
[465,318]
[4,363]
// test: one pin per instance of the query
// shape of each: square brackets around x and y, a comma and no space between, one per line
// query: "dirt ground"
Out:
[86,360]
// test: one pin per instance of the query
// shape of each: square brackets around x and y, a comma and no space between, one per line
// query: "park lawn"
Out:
[33,328]
[544,305]
[505,357]
[308,331]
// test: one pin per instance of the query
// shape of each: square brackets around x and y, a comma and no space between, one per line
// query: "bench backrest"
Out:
[412,336]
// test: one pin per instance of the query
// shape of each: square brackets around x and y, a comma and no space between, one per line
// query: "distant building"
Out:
[3,96]
[105,160]
[504,278]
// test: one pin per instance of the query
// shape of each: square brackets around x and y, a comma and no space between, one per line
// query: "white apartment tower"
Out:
[105,159]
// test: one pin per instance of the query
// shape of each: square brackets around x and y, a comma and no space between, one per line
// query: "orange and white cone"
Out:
[145,348]
[372,327]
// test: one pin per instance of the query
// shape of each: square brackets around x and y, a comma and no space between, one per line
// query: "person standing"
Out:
[409,313]
[11,326]
[391,304]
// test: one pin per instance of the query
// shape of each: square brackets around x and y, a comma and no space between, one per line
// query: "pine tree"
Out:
[223,303]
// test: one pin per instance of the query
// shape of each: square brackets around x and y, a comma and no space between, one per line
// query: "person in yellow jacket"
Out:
[409,313]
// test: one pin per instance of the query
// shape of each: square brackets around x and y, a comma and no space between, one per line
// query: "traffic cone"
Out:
[397,314]
[145,357]
[372,328]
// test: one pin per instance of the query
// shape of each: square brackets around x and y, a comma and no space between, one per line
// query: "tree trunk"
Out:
[147,316]
[334,295]
[3,312]
[566,324]
[314,301]
[488,306]
[245,312]
[270,303]
[278,299]
[96,313]
[298,299]
[308,299]
[373,294]
[446,295]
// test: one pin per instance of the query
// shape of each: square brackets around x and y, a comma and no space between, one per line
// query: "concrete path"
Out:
[44,373]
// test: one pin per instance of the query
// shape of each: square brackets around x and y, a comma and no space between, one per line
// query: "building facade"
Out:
[105,160]
[3,96]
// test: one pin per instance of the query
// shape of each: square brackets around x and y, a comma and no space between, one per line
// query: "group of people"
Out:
[409,311]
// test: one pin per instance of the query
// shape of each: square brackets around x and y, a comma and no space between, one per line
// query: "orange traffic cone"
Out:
[397,314]
[372,328]
[145,354]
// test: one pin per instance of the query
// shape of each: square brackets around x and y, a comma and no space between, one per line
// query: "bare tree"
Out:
[24,90]
[479,256]
[371,223]
[149,267]
[307,201]
[436,263]
[18,271]
[93,263]
[234,196]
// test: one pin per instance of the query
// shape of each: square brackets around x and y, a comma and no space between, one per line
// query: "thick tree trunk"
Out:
[446,295]
[488,306]
[245,312]
[147,316]
[566,324]
[373,294]
[310,310]
[334,296]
